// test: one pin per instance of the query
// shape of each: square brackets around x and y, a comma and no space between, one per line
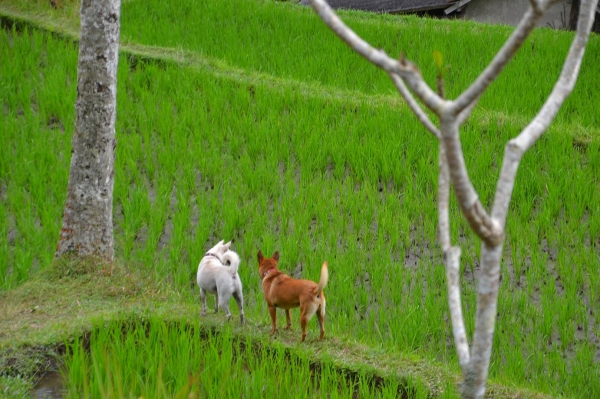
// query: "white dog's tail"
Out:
[323,279]
[232,260]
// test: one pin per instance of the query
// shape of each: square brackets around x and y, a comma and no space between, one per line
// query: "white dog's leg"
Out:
[216,302]
[239,298]
[224,305]
[203,300]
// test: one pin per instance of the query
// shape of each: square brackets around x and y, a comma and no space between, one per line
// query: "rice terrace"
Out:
[249,121]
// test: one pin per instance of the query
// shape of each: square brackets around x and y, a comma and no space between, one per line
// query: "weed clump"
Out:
[71,266]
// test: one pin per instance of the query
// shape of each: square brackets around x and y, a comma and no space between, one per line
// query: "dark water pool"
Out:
[50,386]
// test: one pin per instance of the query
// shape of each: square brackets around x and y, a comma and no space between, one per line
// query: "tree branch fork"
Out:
[489,227]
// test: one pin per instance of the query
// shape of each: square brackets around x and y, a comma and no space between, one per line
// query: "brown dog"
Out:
[283,291]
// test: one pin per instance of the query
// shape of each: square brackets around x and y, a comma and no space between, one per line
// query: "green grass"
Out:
[289,41]
[154,359]
[249,146]
[70,299]
[15,387]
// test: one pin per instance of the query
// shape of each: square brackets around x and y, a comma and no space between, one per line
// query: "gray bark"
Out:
[87,228]
[490,228]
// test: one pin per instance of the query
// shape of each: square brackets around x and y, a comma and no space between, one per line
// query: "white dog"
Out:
[218,275]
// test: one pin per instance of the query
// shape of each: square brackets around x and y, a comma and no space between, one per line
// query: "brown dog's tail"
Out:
[323,279]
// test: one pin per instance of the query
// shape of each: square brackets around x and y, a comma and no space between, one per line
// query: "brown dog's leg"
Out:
[272,311]
[303,323]
[321,320]
[288,319]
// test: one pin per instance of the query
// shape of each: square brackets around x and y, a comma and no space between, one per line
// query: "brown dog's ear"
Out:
[259,256]
[276,256]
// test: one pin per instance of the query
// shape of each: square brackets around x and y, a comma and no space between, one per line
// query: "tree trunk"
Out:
[87,228]
[489,227]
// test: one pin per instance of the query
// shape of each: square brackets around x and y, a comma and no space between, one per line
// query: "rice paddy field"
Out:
[194,363]
[249,121]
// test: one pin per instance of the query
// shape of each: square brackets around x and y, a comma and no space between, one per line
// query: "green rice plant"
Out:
[258,38]
[152,358]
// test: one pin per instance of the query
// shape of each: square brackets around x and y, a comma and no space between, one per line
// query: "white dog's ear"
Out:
[227,245]
[220,242]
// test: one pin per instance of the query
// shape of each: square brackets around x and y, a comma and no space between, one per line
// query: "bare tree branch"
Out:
[404,68]
[452,260]
[465,113]
[414,106]
[518,37]
[510,164]
[485,319]
[485,227]
[443,187]
[487,298]
[452,256]
[439,82]
[515,148]
[443,200]
[452,170]
[565,84]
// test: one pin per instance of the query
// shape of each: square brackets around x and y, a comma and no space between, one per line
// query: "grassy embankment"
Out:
[238,125]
